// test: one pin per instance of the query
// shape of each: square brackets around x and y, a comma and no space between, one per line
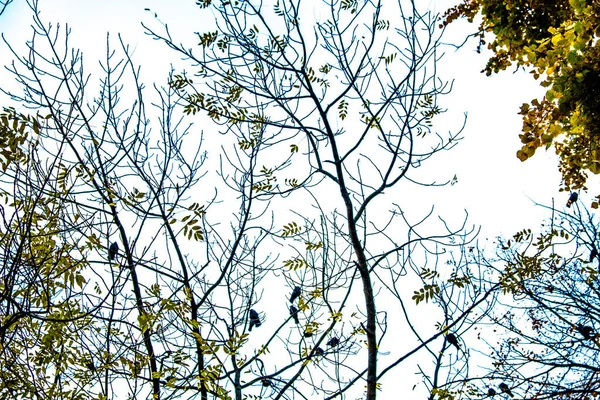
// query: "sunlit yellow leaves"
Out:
[179,82]
[62,176]
[210,374]
[135,367]
[442,394]
[335,316]
[262,350]
[13,136]
[292,182]
[268,181]
[426,293]
[234,93]
[371,122]
[563,51]
[262,187]
[383,25]
[295,263]
[209,347]
[291,229]
[154,290]
[276,43]
[311,329]
[134,198]
[245,144]
[277,9]
[234,343]
[191,227]
[459,281]
[313,246]
[311,77]
[146,321]
[592,274]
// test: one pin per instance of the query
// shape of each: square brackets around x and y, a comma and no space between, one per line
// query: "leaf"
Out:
[343,109]
[295,263]
[426,293]
[291,229]
[313,246]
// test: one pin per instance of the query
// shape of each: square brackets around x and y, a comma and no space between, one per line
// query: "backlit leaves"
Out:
[277,9]
[234,343]
[292,182]
[389,58]
[459,281]
[429,274]
[426,293]
[383,25]
[314,246]
[262,187]
[134,198]
[335,316]
[13,135]
[245,144]
[206,39]
[325,68]
[343,109]
[311,77]
[266,184]
[191,227]
[557,41]
[291,229]
[179,82]
[350,5]
[295,263]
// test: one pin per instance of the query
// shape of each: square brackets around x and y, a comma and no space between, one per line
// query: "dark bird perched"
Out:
[319,351]
[491,392]
[254,320]
[91,366]
[586,331]
[294,314]
[333,342]
[113,250]
[593,254]
[451,338]
[572,199]
[266,382]
[504,387]
[295,294]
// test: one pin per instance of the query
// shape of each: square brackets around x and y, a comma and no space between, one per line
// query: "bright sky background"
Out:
[495,188]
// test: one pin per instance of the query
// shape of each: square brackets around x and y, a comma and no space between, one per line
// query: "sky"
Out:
[496,189]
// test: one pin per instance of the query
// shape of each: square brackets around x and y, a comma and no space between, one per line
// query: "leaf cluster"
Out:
[557,42]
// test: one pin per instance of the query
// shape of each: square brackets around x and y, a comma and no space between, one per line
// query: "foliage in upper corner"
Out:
[557,41]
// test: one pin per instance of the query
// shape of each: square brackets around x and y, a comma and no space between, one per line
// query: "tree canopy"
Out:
[549,323]
[244,226]
[557,41]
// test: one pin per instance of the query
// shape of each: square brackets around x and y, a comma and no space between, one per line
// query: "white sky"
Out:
[493,185]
